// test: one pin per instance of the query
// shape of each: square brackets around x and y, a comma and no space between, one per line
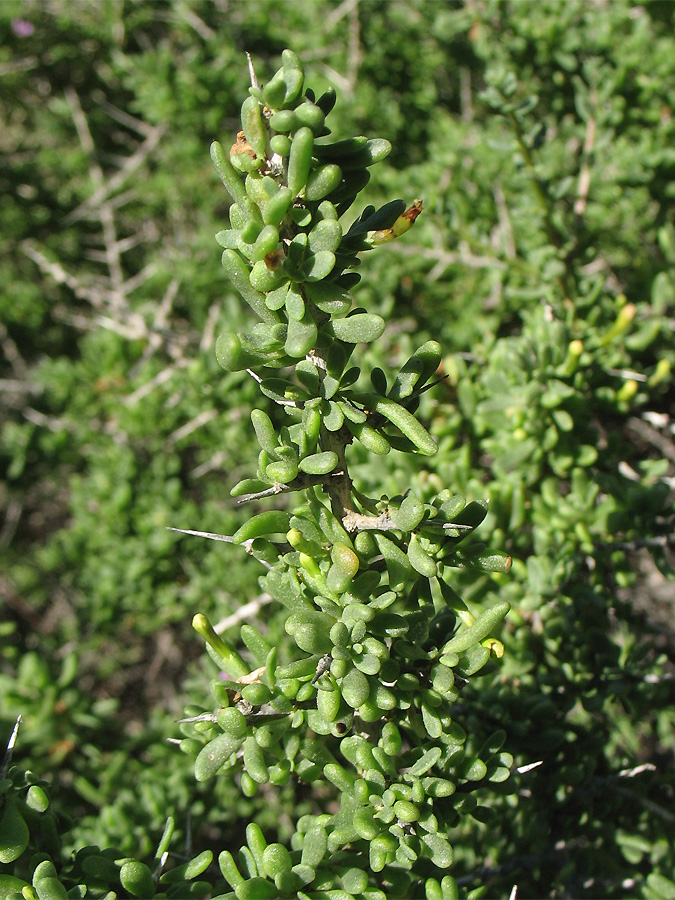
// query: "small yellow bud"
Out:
[627,390]
[310,565]
[623,320]
[232,662]
[661,373]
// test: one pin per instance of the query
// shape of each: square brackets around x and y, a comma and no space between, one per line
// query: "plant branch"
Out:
[584,183]
[116,181]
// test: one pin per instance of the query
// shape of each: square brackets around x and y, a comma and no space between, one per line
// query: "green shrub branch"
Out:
[357,700]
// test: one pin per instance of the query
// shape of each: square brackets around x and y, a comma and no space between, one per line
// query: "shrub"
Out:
[359,704]
[539,139]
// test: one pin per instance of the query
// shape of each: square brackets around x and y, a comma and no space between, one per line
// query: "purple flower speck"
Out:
[22,28]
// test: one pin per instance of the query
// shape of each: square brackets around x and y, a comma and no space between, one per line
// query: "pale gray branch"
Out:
[159,379]
[244,613]
[132,163]
[105,213]
[193,425]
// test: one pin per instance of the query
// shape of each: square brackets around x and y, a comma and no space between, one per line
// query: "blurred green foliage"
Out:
[541,140]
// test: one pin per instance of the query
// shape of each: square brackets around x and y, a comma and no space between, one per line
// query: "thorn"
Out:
[521,770]
[205,534]
[202,717]
[427,387]
[251,72]
[10,747]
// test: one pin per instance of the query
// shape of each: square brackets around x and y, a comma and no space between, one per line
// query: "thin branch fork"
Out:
[446,258]
[105,213]
[55,270]
[197,422]
[116,181]
[644,430]
[126,119]
[130,325]
[661,540]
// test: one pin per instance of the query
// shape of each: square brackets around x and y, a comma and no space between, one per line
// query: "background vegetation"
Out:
[540,137]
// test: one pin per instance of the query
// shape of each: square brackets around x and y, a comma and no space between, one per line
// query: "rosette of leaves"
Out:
[360,698]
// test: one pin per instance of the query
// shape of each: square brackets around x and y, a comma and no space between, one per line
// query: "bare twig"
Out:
[20,388]
[627,471]
[659,420]
[636,770]
[298,484]
[465,95]
[9,526]
[206,341]
[159,379]
[197,422]
[627,374]
[55,270]
[148,232]
[49,422]
[505,227]
[663,444]
[661,540]
[276,488]
[162,316]
[355,521]
[217,461]
[125,118]
[12,354]
[133,329]
[354,46]
[338,15]
[244,613]
[350,8]
[653,678]
[446,258]
[202,717]
[191,17]
[120,200]
[257,378]
[136,280]
[105,213]
[655,808]
[18,65]
[132,163]
[584,182]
